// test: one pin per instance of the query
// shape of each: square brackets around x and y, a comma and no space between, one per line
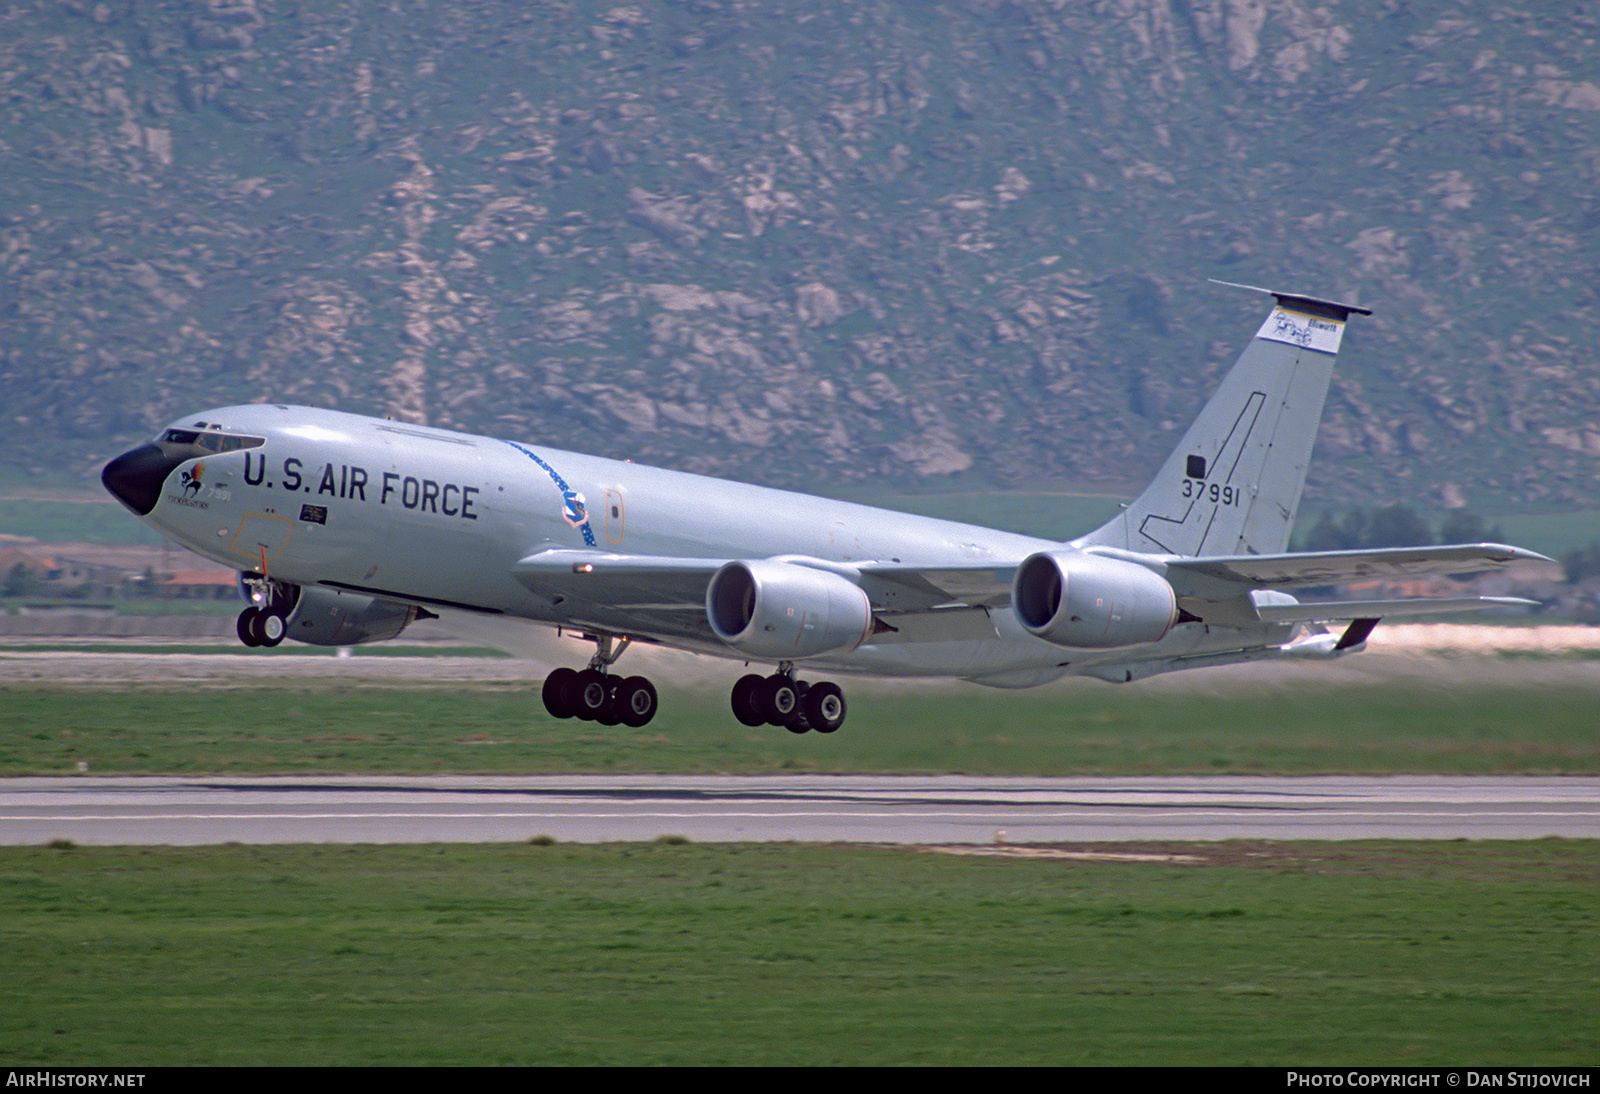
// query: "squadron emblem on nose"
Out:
[191,479]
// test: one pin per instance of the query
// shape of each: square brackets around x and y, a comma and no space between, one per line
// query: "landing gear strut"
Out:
[266,621]
[781,700]
[597,696]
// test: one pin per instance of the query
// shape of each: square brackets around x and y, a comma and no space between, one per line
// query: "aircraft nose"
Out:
[134,478]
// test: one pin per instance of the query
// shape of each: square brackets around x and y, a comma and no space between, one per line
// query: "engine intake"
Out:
[784,611]
[1090,602]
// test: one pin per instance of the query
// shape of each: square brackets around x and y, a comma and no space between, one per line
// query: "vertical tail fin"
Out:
[1233,483]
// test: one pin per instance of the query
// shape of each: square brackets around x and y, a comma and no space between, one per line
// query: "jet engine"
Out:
[329,617]
[1091,602]
[784,611]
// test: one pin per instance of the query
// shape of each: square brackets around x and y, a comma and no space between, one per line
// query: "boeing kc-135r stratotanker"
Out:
[346,529]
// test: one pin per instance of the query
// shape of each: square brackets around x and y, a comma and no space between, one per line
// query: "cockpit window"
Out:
[212,441]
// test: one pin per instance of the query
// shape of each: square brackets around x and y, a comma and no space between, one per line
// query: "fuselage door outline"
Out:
[616,515]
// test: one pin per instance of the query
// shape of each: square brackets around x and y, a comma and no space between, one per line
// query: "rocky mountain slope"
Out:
[809,241]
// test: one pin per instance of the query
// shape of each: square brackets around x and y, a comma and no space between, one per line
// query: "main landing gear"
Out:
[781,700]
[597,696]
[594,694]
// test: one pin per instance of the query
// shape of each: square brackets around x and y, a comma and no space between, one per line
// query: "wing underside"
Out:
[665,597]
[638,595]
[1237,589]
[1307,569]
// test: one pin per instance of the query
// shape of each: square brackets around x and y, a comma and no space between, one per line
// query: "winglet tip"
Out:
[1513,554]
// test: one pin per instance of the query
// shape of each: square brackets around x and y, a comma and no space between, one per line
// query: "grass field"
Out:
[332,728]
[74,521]
[1353,953]
[1380,953]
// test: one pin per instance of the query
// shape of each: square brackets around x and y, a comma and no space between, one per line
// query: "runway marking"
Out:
[1253,814]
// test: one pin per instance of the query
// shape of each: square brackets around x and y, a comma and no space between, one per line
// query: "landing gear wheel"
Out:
[798,722]
[258,634]
[271,627]
[635,701]
[779,698]
[555,690]
[747,700]
[825,707]
[586,694]
[247,627]
[609,714]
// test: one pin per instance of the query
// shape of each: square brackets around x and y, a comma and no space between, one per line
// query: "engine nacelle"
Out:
[1091,602]
[783,611]
[330,617]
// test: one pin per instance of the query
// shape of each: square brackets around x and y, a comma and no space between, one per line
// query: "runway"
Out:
[802,808]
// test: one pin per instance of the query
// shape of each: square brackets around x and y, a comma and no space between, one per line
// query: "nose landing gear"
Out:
[266,621]
[261,627]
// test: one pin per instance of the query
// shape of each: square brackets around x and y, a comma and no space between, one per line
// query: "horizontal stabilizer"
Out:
[1329,611]
[1311,305]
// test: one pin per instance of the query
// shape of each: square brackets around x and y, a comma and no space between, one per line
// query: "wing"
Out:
[895,587]
[1288,571]
[1234,589]
[665,597]
[641,595]
[1327,611]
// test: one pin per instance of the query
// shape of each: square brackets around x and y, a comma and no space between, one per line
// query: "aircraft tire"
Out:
[635,701]
[554,692]
[778,699]
[246,626]
[610,714]
[825,707]
[747,700]
[258,634]
[271,626]
[586,694]
[797,721]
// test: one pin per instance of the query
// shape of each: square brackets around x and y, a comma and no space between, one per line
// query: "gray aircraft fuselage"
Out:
[412,513]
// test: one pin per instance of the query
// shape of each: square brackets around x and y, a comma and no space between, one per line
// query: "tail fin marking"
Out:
[1187,534]
[1232,485]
